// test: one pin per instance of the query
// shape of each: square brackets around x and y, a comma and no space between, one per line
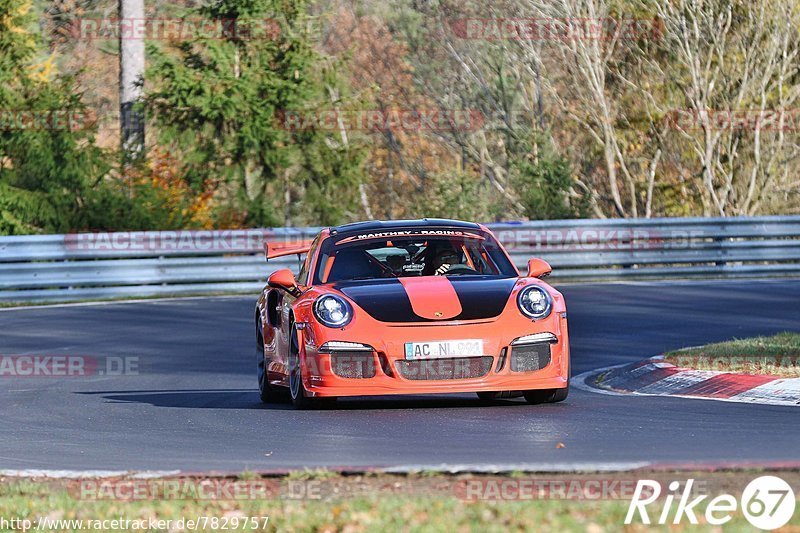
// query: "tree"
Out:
[544,180]
[588,52]
[220,104]
[131,72]
[735,66]
[408,167]
[49,165]
[489,78]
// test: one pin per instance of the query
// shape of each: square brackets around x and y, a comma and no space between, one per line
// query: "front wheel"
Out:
[297,391]
[546,395]
[549,395]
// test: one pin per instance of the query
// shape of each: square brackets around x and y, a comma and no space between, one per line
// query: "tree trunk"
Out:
[131,79]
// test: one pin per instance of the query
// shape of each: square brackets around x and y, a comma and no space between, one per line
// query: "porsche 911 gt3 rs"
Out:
[409,307]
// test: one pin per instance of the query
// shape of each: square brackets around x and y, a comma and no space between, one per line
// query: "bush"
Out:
[544,183]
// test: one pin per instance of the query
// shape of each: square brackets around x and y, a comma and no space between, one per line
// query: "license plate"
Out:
[443,349]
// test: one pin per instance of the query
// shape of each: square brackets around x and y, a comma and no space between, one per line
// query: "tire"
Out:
[268,393]
[549,395]
[546,395]
[297,391]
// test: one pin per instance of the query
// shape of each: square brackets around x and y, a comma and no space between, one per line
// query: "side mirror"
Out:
[538,268]
[283,279]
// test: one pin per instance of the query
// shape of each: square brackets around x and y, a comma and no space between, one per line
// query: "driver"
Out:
[396,263]
[445,259]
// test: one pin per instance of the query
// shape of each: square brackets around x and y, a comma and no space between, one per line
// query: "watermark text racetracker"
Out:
[380,120]
[751,364]
[66,366]
[558,29]
[246,240]
[589,238]
[766,120]
[210,489]
[222,489]
[533,488]
[174,29]
[47,120]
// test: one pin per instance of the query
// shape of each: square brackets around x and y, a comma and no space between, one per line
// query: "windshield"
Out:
[407,253]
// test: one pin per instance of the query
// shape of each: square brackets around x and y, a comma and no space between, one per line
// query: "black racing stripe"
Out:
[482,297]
[385,300]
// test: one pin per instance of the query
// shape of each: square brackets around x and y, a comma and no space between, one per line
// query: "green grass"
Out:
[775,355]
[311,474]
[378,508]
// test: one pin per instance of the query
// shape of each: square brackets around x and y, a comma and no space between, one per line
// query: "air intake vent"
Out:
[453,368]
[530,357]
[354,365]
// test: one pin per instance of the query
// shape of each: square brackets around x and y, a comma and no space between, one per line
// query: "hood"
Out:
[430,298]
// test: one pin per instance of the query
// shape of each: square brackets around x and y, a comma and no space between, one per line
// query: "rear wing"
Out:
[280,249]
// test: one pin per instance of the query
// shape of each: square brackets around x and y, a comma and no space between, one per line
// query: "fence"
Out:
[140,264]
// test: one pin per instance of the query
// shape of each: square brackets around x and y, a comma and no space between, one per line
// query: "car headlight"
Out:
[333,311]
[534,302]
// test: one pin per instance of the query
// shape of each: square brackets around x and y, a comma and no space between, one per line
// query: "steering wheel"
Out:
[460,269]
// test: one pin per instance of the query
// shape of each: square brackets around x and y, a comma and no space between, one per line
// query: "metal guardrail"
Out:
[160,263]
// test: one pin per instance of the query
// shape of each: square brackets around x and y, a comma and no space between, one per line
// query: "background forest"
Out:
[534,109]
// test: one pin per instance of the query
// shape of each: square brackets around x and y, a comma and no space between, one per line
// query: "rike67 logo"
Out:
[767,502]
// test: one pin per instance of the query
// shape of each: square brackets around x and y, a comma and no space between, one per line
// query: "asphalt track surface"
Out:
[194,405]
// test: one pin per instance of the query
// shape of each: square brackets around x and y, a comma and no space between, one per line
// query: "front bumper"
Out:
[390,373]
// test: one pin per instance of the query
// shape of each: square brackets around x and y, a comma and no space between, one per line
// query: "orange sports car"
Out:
[409,307]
